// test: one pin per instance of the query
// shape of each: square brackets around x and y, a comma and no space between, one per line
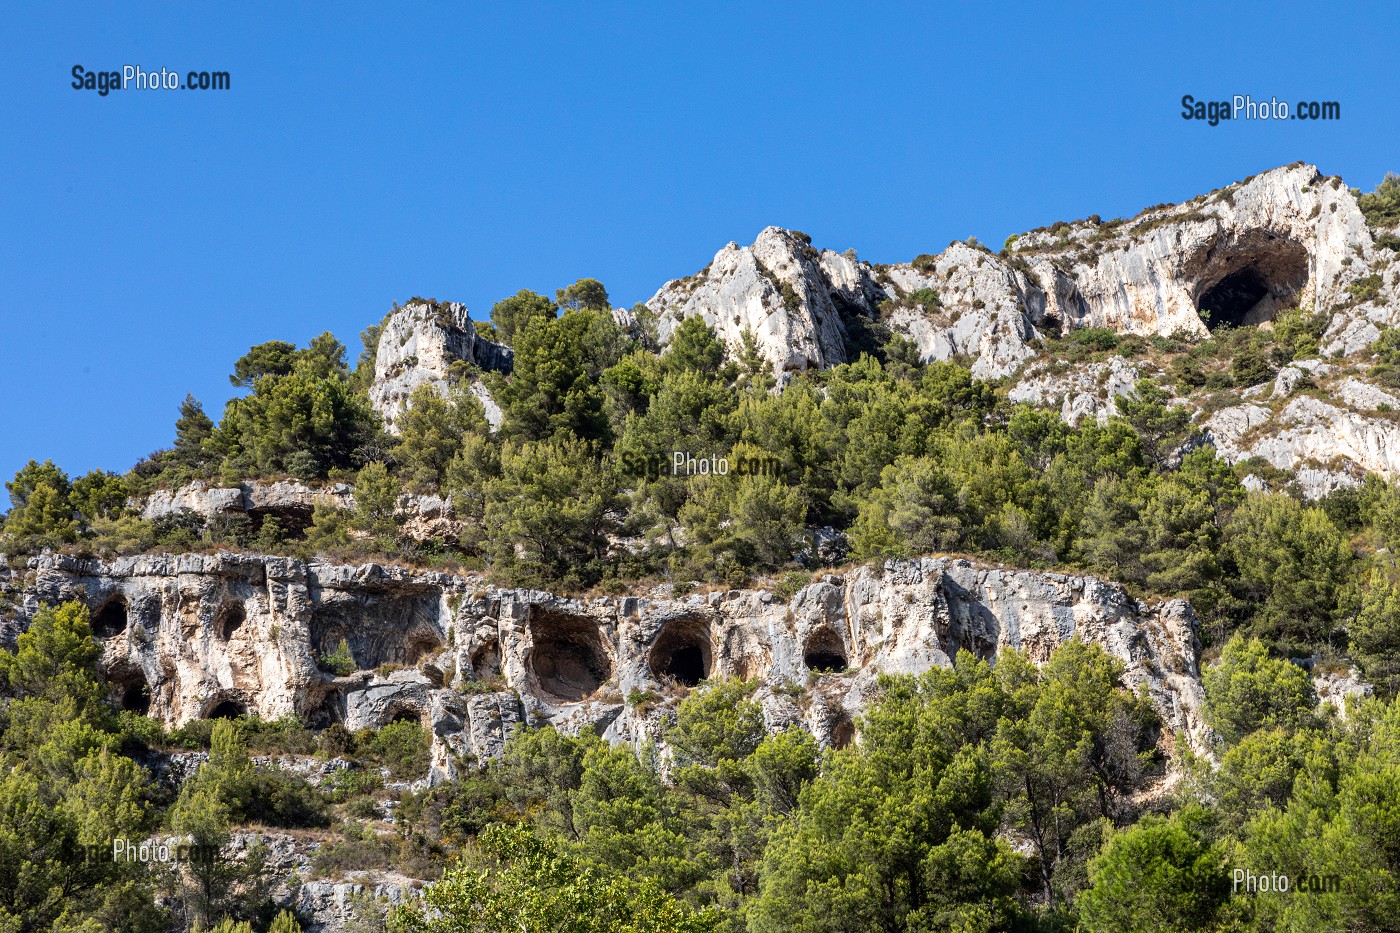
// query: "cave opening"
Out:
[486,661]
[1250,281]
[378,628]
[227,709]
[406,715]
[687,666]
[682,652]
[231,618]
[330,711]
[1229,302]
[111,619]
[824,653]
[568,659]
[136,698]
[843,733]
[129,687]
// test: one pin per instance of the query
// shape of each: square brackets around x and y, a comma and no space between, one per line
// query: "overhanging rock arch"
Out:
[1248,279]
[683,651]
[568,659]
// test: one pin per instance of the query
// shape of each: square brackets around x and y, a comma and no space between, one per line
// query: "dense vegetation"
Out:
[1001,798]
[979,798]
[77,776]
[576,488]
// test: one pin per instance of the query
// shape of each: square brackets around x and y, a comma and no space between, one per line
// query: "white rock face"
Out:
[1302,231]
[330,906]
[419,345]
[277,497]
[778,289]
[983,314]
[797,303]
[1294,233]
[218,634]
[1329,445]
[1089,391]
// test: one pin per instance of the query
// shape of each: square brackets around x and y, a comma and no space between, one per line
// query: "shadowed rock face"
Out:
[220,635]
[1250,281]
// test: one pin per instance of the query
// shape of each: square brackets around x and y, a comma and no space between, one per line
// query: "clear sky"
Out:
[464,151]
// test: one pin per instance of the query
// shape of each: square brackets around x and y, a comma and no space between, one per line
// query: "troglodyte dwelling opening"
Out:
[231,617]
[226,709]
[111,619]
[682,652]
[1251,280]
[568,659]
[129,686]
[824,652]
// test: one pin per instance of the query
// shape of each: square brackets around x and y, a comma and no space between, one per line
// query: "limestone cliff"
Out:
[1241,253]
[209,635]
[419,345]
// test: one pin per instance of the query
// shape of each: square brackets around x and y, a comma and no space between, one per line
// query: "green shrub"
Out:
[349,783]
[340,662]
[402,747]
[1095,338]
[1364,288]
[1381,207]
[286,800]
[926,297]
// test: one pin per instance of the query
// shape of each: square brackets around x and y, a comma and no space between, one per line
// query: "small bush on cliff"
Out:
[1382,206]
[340,661]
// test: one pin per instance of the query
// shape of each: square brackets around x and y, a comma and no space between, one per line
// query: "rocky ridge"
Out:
[425,343]
[194,636]
[1286,237]
[1283,237]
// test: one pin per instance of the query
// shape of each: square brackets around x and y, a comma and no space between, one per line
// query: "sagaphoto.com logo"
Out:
[1243,107]
[134,77]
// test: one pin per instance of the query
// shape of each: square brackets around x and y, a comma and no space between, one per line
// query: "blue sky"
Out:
[466,151]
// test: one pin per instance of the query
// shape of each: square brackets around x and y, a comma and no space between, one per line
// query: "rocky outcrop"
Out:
[780,290]
[420,517]
[805,308]
[1286,237]
[427,343]
[212,635]
[1077,392]
[328,906]
[289,500]
[1327,445]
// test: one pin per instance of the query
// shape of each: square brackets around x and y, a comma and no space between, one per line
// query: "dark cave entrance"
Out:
[406,715]
[568,660]
[687,666]
[111,619]
[824,653]
[682,652]
[136,698]
[1250,281]
[226,709]
[130,688]
[231,618]
[330,711]
[843,733]
[1228,303]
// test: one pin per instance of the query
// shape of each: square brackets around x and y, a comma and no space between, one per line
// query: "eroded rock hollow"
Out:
[210,636]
